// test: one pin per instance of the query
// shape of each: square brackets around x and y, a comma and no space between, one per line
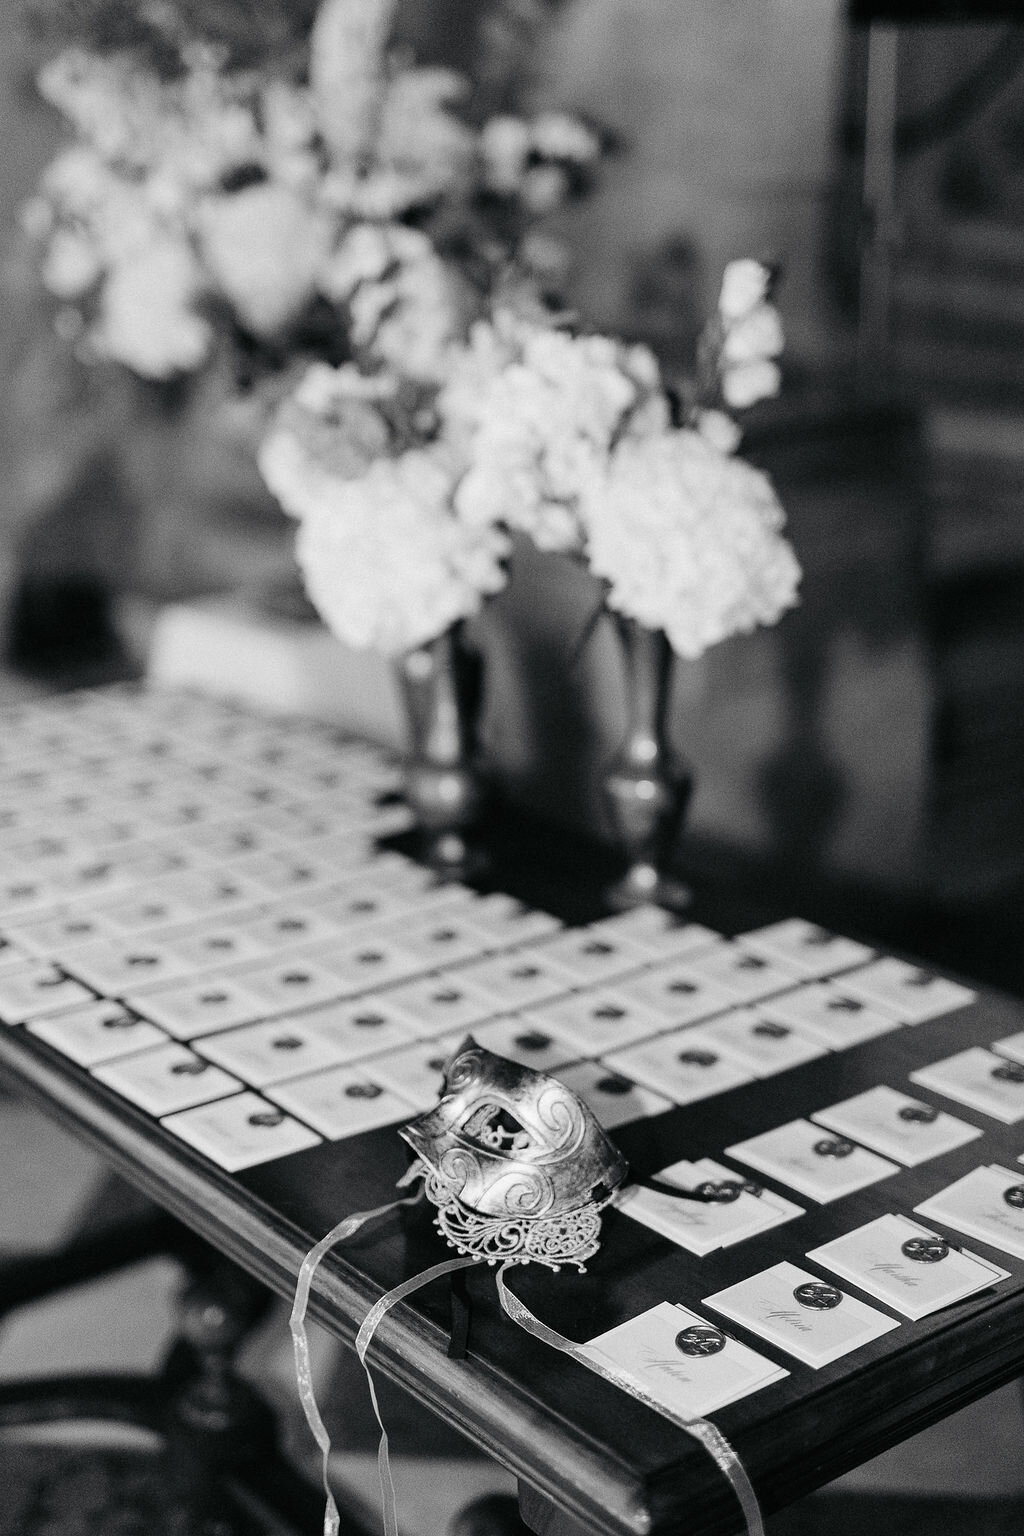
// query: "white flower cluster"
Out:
[386,563]
[407,308]
[241,188]
[536,411]
[535,160]
[751,335]
[562,437]
[689,541]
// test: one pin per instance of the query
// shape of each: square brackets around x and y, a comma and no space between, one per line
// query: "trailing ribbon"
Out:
[369,1326]
[300,1341]
[706,1433]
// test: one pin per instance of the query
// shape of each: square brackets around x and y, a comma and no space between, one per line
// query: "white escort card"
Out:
[745,975]
[96,1032]
[241,1131]
[813,951]
[985,1080]
[813,1161]
[676,993]
[910,1268]
[898,1126]
[519,1040]
[913,994]
[517,978]
[615,1100]
[167,1078]
[601,1019]
[272,1051]
[1011,1045]
[342,1101]
[830,1014]
[417,1073]
[729,1212]
[357,1026]
[37,988]
[802,1314]
[437,1004]
[987,1204]
[760,1043]
[199,1007]
[588,956]
[684,1064]
[683,1362]
[662,933]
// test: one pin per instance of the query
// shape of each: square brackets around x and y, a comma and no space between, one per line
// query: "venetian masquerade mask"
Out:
[515,1162]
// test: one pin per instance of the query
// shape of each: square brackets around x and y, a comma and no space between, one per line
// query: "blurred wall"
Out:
[727,114]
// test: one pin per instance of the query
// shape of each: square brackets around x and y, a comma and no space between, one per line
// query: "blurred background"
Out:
[863,760]
[873,741]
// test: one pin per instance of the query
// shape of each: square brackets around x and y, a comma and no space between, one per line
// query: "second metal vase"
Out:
[647,786]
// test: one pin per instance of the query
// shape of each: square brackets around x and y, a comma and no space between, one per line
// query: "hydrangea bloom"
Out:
[537,410]
[385,562]
[689,541]
[328,430]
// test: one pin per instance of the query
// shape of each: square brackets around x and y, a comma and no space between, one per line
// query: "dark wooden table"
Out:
[588,1457]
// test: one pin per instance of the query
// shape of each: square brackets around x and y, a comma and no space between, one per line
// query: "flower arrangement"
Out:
[570,439]
[367,249]
[325,197]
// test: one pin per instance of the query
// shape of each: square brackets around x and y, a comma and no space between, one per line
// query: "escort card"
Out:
[199,1007]
[701,1226]
[517,979]
[417,1073]
[342,1101]
[686,1364]
[803,1315]
[760,1043]
[684,1064]
[987,1204]
[830,1014]
[910,1268]
[615,1099]
[744,975]
[272,1051]
[357,1027]
[982,1079]
[811,950]
[815,1162]
[1011,1045]
[598,1020]
[913,994]
[897,1126]
[589,956]
[438,1004]
[663,934]
[519,1040]
[676,993]
[96,1032]
[166,1078]
[241,1131]
[35,989]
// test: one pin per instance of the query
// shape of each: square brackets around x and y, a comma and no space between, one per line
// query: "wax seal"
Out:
[1009,1072]
[817,1295]
[833,1146]
[1015,1196]
[919,1114]
[925,1250]
[700,1340]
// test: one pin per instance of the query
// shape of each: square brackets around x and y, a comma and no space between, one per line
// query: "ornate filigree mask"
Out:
[515,1162]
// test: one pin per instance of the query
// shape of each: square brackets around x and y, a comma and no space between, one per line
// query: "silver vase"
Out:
[441,684]
[647,785]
